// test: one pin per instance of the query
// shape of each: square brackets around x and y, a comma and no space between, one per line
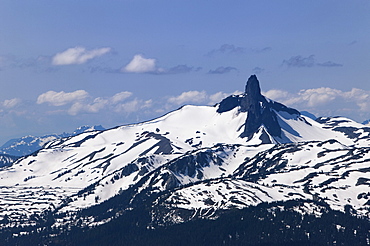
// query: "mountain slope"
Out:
[195,162]
[29,144]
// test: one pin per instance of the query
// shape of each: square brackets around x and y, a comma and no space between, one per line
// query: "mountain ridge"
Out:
[196,162]
[16,148]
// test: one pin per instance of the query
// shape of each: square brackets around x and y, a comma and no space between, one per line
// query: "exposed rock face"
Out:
[261,112]
[252,95]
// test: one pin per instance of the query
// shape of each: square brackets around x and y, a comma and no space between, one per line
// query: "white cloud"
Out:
[326,101]
[121,96]
[11,103]
[128,107]
[139,64]
[61,98]
[319,96]
[308,97]
[134,106]
[190,97]
[113,103]
[199,97]
[361,97]
[94,107]
[276,94]
[217,97]
[147,104]
[78,55]
[359,94]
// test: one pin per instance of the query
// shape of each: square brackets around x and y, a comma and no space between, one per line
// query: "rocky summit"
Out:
[260,111]
[200,175]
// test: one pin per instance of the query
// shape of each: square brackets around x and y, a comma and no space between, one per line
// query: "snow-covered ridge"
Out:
[196,157]
[29,144]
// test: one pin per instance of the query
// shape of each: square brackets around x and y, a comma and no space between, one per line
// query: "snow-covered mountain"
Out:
[194,162]
[7,160]
[17,147]
[29,144]
[366,122]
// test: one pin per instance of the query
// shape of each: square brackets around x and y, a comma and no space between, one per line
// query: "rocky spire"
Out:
[259,110]
[252,88]
[252,95]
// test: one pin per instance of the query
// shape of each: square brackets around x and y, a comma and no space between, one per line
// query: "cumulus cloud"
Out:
[326,101]
[78,55]
[189,96]
[94,107]
[217,97]
[319,96]
[277,95]
[308,97]
[222,70]
[114,103]
[80,102]
[300,61]
[199,97]
[61,98]
[139,64]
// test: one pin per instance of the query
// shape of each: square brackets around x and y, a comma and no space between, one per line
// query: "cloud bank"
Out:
[80,102]
[326,101]
[123,107]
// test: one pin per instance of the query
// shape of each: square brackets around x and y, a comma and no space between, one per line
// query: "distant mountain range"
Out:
[366,122]
[18,147]
[247,171]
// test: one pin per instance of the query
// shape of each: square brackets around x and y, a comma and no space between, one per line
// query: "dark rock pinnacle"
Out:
[252,95]
[260,112]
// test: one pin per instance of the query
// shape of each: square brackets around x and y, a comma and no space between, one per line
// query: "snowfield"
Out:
[195,158]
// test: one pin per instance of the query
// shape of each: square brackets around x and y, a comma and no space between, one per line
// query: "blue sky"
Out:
[69,63]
